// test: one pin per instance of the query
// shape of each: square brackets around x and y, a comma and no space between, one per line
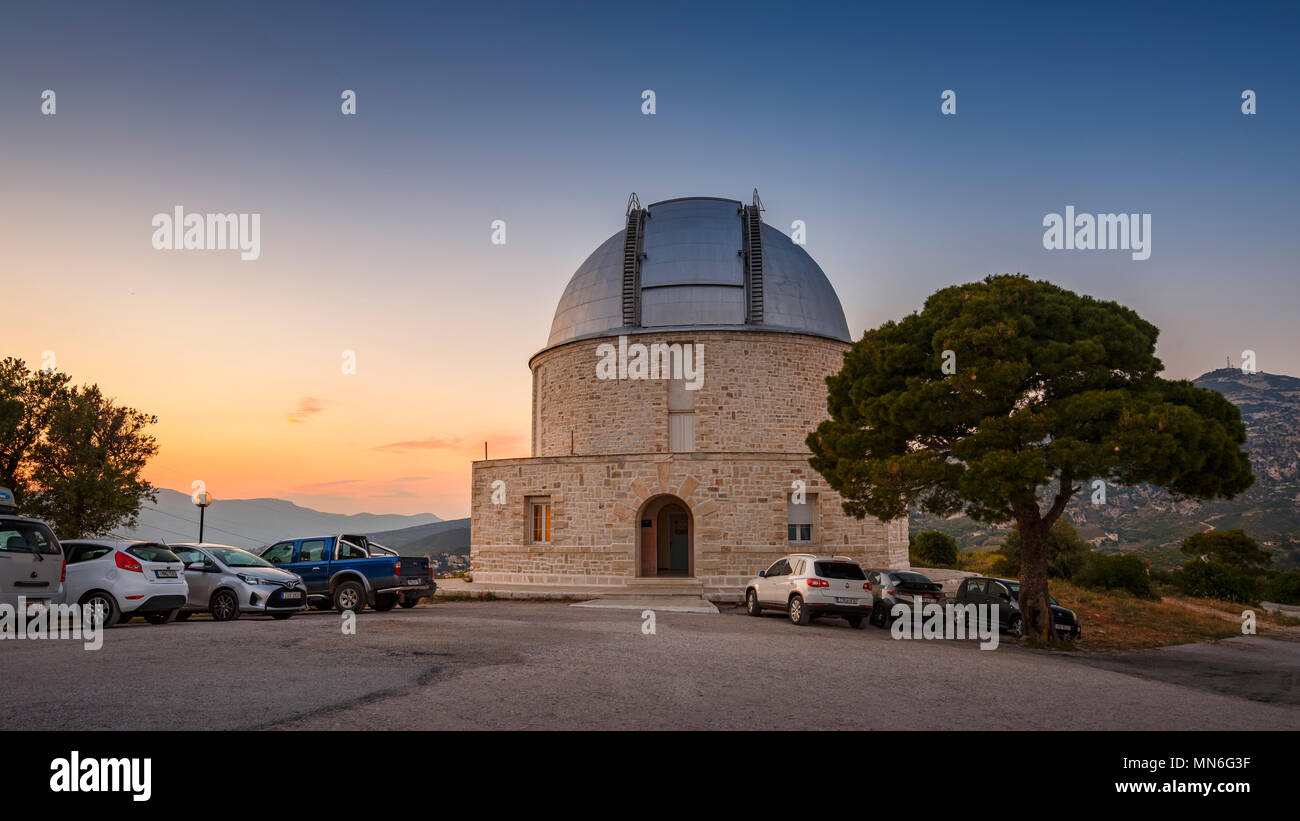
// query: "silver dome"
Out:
[692,275]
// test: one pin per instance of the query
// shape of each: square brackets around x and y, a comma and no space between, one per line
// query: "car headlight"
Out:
[253,580]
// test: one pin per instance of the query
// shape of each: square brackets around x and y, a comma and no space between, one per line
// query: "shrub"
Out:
[1232,547]
[1216,580]
[1116,572]
[1283,588]
[1067,554]
[932,548]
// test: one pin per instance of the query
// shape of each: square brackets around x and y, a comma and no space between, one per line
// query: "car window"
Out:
[840,570]
[999,590]
[189,555]
[235,557]
[347,550]
[281,553]
[152,553]
[87,553]
[975,586]
[27,537]
[312,550]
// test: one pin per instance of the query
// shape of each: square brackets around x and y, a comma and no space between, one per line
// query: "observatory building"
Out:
[686,366]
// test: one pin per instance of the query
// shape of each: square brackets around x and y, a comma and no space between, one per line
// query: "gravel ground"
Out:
[545,665]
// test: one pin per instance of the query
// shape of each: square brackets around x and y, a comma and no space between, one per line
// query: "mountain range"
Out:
[254,523]
[1148,521]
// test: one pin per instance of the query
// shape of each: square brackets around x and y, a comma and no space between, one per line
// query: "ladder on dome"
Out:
[632,240]
[754,260]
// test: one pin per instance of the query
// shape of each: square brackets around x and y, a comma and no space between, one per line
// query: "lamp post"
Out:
[202,500]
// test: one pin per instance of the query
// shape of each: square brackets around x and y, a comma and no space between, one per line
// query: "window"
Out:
[681,417]
[279,554]
[781,567]
[999,590]
[799,518]
[840,570]
[312,550]
[27,537]
[152,553]
[189,555]
[539,526]
[347,550]
[87,553]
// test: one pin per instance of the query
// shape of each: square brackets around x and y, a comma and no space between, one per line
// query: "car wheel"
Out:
[103,610]
[1016,627]
[385,602]
[855,622]
[161,617]
[799,612]
[281,616]
[224,606]
[350,596]
[408,602]
[182,615]
[751,603]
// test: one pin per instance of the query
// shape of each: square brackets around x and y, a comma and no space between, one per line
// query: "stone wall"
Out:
[762,391]
[738,504]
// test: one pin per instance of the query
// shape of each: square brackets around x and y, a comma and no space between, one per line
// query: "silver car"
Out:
[229,582]
[31,560]
[807,585]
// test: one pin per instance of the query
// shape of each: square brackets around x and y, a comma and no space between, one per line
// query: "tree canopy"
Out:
[71,455]
[998,390]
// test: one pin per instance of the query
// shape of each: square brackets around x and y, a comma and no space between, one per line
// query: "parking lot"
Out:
[545,665]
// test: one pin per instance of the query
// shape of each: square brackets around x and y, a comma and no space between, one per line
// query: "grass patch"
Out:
[1114,621]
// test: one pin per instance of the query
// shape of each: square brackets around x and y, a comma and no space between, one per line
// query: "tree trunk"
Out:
[1033,573]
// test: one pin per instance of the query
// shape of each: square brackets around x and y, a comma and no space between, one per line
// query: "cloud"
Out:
[324,485]
[431,443]
[307,407]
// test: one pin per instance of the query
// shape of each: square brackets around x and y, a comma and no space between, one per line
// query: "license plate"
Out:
[415,581]
[291,594]
[845,601]
[165,574]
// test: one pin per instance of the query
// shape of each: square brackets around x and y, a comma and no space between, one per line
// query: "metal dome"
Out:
[697,262]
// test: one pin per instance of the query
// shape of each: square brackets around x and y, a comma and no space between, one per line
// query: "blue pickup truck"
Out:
[348,572]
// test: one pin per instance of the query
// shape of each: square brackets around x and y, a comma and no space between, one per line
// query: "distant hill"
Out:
[253,523]
[451,536]
[1149,521]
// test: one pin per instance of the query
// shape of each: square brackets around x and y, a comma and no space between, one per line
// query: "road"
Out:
[545,665]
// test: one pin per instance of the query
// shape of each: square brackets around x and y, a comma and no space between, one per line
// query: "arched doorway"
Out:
[666,538]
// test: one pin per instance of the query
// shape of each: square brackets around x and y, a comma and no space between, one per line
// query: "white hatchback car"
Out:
[122,579]
[806,585]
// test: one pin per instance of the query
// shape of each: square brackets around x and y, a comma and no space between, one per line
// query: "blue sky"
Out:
[530,113]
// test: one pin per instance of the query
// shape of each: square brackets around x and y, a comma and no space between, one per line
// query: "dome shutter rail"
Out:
[753,221]
[632,254]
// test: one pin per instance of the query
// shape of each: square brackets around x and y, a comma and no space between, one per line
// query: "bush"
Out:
[1232,547]
[1067,554]
[932,548]
[1216,580]
[1283,588]
[1116,572]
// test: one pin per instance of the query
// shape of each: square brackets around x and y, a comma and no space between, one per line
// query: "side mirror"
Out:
[194,566]
[762,574]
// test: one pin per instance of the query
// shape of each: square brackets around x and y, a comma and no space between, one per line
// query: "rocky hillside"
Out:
[1149,521]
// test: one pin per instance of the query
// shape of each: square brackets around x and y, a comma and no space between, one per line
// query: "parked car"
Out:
[348,572]
[228,582]
[31,559]
[1005,594]
[121,579]
[891,587]
[806,586]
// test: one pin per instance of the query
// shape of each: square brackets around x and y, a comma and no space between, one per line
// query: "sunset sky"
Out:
[376,227]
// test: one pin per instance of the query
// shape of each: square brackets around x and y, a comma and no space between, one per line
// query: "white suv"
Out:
[806,586]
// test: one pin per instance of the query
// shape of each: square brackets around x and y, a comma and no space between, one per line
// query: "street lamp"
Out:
[202,499]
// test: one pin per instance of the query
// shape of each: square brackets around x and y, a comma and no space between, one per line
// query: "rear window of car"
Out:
[840,570]
[87,553]
[27,537]
[152,553]
[914,578]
